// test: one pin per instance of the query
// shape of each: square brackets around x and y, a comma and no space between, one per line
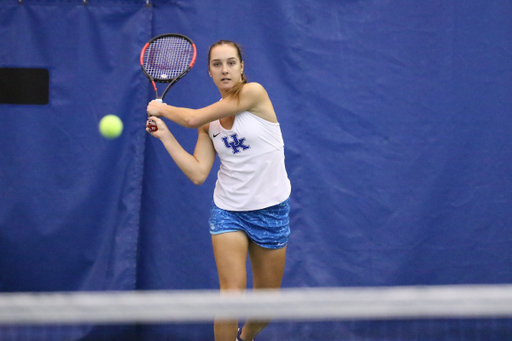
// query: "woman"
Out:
[249,213]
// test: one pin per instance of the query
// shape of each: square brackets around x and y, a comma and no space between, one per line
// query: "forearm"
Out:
[181,116]
[188,164]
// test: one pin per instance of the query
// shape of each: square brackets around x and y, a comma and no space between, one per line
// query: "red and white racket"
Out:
[166,59]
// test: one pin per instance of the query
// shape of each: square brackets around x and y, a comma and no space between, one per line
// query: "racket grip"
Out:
[153,126]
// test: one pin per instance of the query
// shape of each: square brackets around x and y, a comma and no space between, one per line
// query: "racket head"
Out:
[168,57]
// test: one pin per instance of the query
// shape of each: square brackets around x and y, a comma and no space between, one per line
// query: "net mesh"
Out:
[382,313]
[167,58]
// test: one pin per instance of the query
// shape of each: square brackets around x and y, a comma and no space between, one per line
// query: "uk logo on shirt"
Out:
[237,145]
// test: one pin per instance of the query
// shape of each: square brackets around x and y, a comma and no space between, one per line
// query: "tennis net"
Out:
[459,312]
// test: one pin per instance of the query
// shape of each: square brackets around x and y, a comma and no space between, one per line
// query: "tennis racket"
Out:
[166,59]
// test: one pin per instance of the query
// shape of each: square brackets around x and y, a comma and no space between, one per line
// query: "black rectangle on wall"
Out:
[24,85]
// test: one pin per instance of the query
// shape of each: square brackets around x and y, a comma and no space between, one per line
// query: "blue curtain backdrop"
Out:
[397,120]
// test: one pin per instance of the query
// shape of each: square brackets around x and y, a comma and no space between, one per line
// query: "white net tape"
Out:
[466,301]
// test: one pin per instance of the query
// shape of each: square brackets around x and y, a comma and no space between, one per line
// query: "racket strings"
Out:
[167,58]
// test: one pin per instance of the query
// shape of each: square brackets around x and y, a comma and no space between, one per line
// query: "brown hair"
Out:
[234,91]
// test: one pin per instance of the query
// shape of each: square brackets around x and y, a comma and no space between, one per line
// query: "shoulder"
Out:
[254,85]
[261,105]
[254,88]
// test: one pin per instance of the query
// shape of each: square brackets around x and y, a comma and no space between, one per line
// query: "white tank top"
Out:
[252,173]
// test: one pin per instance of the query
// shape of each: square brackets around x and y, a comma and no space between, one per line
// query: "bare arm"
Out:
[197,166]
[253,98]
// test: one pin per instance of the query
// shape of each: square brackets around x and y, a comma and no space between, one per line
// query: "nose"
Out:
[224,69]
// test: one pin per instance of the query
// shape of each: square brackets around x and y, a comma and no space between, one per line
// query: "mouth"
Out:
[225,79]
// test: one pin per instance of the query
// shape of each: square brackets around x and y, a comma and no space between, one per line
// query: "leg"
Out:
[267,271]
[230,251]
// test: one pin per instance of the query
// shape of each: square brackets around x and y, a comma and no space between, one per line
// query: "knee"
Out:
[233,286]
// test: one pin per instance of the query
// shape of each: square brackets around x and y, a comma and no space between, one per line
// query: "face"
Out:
[225,67]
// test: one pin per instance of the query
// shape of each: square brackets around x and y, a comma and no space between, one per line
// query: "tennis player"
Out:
[250,208]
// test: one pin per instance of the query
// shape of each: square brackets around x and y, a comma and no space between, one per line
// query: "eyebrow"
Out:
[218,60]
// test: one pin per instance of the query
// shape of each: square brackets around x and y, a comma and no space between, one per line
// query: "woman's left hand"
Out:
[162,129]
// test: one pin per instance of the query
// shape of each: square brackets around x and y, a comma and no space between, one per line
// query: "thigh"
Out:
[267,266]
[230,251]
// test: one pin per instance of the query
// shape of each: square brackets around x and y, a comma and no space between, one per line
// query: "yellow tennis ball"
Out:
[111,126]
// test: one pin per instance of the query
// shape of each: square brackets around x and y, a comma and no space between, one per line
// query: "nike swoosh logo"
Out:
[215,135]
